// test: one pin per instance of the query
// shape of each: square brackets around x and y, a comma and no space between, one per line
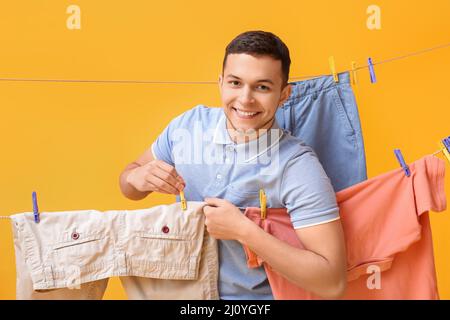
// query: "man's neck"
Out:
[244,136]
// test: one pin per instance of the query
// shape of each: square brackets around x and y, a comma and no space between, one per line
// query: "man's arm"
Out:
[319,268]
[147,174]
[127,189]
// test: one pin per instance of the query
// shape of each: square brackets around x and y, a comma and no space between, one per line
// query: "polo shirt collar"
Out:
[221,136]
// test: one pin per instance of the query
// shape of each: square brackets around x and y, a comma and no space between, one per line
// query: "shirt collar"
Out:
[272,137]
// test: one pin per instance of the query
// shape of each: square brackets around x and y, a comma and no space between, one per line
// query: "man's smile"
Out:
[245,114]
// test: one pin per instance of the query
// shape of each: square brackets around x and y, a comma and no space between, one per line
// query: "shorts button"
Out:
[75,235]
[165,229]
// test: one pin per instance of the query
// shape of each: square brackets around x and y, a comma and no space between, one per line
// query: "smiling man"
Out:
[246,151]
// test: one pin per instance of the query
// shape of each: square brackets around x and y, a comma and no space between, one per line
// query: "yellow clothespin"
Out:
[354,79]
[333,68]
[263,203]
[183,201]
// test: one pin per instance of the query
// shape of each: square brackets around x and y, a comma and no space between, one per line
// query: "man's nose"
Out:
[246,96]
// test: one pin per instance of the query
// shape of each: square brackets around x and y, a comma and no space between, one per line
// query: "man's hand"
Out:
[158,176]
[224,220]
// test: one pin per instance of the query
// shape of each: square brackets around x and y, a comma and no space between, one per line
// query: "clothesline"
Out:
[212,82]
[433,154]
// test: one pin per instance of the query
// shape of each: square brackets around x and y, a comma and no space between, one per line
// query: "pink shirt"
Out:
[387,234]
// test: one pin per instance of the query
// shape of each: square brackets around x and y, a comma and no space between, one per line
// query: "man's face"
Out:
[251,91]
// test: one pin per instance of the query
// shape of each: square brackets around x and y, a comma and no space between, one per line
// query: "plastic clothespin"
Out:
[183,201]
[263,203]
[333,68]
[445,145]
[354,78]
[402,162]
[373,78]
[35,207]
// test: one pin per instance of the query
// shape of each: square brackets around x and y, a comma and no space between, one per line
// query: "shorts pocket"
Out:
[168,255]
[71,243]
[342,111]
[170,247]
[82,251]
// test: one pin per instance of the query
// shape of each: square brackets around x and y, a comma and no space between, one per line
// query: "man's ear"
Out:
[285,94]
[220,83]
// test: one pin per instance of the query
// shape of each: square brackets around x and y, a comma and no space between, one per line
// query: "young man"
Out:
[239,149]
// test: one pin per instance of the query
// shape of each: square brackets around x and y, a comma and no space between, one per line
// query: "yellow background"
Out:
[70,141]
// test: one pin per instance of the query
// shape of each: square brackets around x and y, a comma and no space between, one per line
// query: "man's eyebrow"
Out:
[262,80]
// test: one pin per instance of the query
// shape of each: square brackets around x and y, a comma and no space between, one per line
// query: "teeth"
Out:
[246,113]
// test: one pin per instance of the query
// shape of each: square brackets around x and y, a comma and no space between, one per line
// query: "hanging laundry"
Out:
[162,252]
[387,232]
[323,113]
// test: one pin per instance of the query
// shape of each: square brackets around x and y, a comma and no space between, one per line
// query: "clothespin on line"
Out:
[183,201]
[35,207]
[263,203]
[444,146]
[373,78]
[402,162]
[333,68]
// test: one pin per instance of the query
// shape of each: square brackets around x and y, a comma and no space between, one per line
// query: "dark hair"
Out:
[258,43]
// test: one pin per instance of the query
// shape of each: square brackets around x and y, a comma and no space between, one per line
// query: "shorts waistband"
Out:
[302,88]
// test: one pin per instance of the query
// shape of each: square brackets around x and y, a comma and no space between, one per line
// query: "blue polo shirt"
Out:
[198,145]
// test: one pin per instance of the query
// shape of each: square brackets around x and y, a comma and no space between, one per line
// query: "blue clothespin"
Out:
[402,162]
[35,207]
[373,78]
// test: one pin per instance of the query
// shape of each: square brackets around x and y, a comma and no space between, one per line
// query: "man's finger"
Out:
[169,179]
[207,209]
[171,170]
[162,185]
[216,202]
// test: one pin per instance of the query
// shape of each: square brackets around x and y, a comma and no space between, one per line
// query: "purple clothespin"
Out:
[402,162]
[35,207]
[446,142]
[446,147]
[373,78]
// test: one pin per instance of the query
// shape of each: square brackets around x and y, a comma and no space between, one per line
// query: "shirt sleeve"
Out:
[428,185]
[179,127]
[307,192]
[162,147]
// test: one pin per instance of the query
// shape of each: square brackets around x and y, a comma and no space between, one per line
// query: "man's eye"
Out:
[234,82]
[265,88]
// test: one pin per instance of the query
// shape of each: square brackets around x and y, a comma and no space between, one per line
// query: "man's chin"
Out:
[246,129]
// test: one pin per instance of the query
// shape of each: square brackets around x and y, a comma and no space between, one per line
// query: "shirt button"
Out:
[230,148]
[219,177]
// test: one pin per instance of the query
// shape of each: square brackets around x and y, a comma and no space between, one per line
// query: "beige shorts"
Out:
[158,253]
